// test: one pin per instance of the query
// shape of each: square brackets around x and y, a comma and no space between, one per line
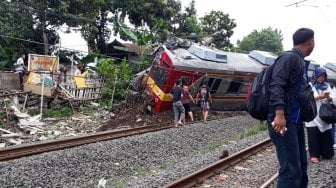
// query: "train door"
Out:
[194,87]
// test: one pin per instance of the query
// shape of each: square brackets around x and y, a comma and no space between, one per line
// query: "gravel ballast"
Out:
[147,160]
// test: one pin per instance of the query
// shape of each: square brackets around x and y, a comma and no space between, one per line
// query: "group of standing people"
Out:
[285,124]
[182,104]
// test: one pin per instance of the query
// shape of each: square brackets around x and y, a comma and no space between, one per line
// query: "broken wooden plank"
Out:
[6,131]
[10,135]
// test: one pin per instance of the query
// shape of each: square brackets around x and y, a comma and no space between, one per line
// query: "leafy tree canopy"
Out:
[267,39]
[220,26]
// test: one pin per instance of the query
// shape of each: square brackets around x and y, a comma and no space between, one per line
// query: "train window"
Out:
[160,76]
[185,80]
[234,87]
[210,82]
[215,86]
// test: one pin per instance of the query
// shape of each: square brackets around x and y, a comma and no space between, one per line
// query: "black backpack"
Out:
[307,103]
[257,105]
[258,101]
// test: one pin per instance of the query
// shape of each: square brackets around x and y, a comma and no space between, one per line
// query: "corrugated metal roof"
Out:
[236,62]
[263,57]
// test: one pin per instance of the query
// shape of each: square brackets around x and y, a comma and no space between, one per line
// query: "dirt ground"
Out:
[133,113]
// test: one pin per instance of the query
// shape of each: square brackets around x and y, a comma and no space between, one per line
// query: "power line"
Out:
[69,49]
[296,3]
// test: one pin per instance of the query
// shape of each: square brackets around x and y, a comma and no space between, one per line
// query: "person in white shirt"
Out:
[20,67]
[319,132]
[79,69]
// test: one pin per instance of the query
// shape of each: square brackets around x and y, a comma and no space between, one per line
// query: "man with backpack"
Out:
[205,98]
[285,117]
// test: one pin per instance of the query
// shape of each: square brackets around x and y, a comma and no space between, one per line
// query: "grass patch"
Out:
[249,132]
[58,113]
[89,111]
[254,130]
[147,171]
[214,146]
[33,111]
[121,183]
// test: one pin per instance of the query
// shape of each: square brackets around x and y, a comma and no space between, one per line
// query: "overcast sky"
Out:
[258,14]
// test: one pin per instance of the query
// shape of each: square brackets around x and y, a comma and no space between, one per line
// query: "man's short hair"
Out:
[178,82]
[302,35]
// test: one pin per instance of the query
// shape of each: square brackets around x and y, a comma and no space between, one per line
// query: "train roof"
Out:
[207,59]
[331,71]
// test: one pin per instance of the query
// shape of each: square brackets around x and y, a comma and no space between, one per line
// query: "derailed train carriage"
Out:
[227,74]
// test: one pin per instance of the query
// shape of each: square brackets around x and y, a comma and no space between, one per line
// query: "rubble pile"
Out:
[18,127]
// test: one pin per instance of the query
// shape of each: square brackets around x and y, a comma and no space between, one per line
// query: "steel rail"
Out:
[32,149]
[213,169]
[269,181]
[59,144]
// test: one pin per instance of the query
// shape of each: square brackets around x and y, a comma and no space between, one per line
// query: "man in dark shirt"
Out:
[285,123]
[179,111]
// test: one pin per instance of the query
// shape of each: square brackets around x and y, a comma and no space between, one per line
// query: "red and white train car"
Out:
[228,74]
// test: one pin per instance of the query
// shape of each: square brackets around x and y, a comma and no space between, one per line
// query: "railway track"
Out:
[59,144]
[33,149]
[199,176]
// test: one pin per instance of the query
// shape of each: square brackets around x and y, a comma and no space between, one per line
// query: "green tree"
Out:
[187,22]
[116,77]
[148,12]
[267,39]
[16,24]
[220,26]
[144,39]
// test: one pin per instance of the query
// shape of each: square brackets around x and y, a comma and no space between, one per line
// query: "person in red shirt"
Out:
[186,102]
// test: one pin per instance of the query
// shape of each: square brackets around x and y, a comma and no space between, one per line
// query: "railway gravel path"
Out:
[148,160]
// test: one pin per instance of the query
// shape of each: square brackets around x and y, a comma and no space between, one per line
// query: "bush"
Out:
[108,69]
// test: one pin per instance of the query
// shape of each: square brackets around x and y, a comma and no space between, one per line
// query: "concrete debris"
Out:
[61,124]
[20,127]
[223,177]
[2,145]
[30,122]
[14,141]
[6,131]
[138,120]
[10,135]
[240,168]
[14,108]
[69,128]
[102,183]
[43,138]
[94,104]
